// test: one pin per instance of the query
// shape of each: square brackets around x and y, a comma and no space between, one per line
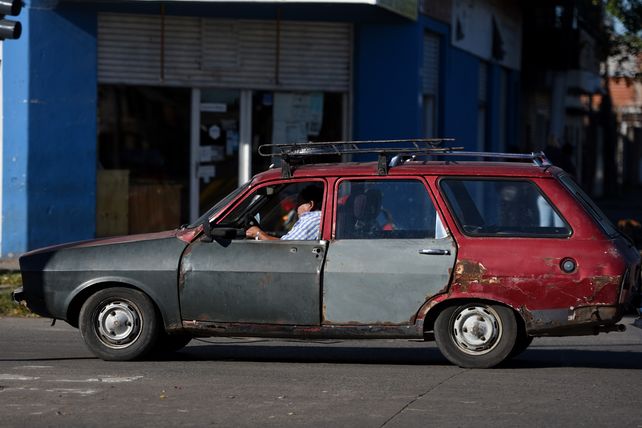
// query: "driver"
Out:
[307,226]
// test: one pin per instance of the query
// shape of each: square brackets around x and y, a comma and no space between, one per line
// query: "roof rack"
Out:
[293,154]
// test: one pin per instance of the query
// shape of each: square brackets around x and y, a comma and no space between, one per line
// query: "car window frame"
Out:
[419,178]
[543,194]
[251,191]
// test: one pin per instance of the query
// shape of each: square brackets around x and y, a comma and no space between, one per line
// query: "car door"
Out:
[390,252]
[250,281]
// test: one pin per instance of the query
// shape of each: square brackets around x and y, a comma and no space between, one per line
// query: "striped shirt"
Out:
[307,227]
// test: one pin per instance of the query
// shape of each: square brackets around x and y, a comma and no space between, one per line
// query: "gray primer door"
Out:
[271,282]
[390,254]
[384,281]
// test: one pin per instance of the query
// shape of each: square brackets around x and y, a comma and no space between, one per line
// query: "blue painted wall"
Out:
[387,81]
[50,128]
[50,81]
[460,97]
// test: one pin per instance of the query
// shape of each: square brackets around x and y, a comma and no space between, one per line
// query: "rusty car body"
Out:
[452,253]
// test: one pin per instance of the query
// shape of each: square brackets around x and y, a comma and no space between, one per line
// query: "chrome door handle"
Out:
[434,252]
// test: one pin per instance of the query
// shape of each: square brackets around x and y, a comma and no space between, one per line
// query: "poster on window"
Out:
[296,117]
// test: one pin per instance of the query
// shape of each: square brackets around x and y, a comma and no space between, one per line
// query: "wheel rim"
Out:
[476,329]
[118,323]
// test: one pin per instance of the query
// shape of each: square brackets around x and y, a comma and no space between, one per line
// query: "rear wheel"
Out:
[522,342]
[476,335]
[119,324]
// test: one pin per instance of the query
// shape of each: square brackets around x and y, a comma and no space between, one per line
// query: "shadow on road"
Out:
[22,360]
[532,358]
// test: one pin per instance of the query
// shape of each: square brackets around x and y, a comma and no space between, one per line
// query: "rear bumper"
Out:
[585,320]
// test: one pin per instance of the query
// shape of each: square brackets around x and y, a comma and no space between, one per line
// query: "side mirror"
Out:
[207,232]
[227,233]
[210,234]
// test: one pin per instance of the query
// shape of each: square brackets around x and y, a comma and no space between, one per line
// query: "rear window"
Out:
[502,208]
[588,204]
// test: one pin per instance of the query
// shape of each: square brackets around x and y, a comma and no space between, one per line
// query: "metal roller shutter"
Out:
[224,53]
[431,64]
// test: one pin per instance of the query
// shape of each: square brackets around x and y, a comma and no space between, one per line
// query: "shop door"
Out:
[220,152]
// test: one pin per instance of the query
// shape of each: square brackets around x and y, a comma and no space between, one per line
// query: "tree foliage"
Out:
[625,33]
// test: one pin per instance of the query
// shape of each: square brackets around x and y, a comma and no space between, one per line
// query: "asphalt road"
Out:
[48,378]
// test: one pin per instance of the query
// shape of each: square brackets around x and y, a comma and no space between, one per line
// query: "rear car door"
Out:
[390,252]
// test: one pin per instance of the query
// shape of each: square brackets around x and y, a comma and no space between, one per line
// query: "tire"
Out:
[119,324]
[476,335]
[522,342]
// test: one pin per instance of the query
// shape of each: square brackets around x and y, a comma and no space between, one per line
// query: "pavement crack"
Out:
[421,396]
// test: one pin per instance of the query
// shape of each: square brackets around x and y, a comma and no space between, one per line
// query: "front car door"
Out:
[257,282]
[390,253]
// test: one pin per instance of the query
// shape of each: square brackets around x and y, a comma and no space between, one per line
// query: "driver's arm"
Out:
[254,232]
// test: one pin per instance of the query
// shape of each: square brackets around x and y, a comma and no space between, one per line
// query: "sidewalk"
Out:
[9,264]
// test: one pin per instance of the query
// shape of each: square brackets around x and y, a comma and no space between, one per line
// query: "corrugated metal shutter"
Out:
[483,82]
[431,64]
[224,53]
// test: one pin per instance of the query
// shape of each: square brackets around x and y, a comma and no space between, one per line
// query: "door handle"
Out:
[434,252]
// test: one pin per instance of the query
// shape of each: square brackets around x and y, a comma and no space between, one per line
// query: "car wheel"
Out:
[119,324]
[522,342]
[168,343]
[476,335]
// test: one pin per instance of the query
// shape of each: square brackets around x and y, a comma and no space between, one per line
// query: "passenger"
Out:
[307,226]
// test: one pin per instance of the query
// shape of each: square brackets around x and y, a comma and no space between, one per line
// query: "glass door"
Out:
[215,146]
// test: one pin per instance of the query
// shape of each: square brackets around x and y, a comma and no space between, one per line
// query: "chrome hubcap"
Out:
[476,329]
[119,324]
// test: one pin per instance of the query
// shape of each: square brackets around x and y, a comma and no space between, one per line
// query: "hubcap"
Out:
[476,329]
[119,324]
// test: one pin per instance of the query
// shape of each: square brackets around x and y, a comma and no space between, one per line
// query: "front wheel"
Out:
[119,324]
[476,335]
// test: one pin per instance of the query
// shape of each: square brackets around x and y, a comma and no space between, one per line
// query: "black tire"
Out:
[476,335]
[522,342]
[119,324]
[168,343]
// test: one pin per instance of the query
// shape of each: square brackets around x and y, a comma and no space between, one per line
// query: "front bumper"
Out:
[18,295]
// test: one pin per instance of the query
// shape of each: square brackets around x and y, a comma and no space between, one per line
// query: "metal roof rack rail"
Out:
[293,154]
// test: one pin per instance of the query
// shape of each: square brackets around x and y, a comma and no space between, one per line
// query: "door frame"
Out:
[245,145]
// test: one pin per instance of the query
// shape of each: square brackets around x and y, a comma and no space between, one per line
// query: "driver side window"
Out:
[272,208]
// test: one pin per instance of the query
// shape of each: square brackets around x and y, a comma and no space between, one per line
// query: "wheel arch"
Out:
[86,290]
[434,308]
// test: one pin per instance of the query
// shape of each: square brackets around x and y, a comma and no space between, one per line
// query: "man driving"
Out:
[307,227]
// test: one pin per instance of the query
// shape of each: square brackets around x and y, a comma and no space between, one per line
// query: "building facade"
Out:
[126,117]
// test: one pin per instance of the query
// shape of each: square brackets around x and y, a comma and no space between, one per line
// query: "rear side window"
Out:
[502,208]
[386,209]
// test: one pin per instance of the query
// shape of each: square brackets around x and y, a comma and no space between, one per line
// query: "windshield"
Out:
[220,205]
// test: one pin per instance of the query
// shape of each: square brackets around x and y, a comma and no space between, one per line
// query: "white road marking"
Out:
[5,376]
[106,379]
[33,367]
[73,391]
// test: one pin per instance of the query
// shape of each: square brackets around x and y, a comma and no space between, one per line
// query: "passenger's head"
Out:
[310,198]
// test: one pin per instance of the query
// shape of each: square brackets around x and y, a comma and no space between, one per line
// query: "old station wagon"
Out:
[480,256]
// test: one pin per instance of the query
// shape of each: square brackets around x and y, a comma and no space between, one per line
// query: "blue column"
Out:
[387,81]
[461,98]
[49,101]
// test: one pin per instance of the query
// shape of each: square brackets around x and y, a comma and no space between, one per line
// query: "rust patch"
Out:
[469,271]
[600,282]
